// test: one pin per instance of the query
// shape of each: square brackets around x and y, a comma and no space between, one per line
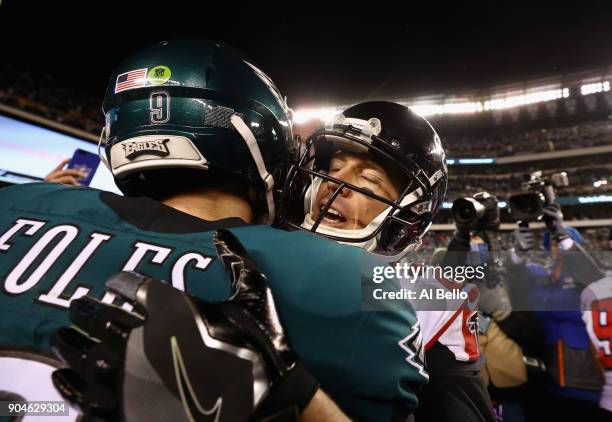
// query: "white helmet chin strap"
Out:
[368,245]
[266,177]
[102,157]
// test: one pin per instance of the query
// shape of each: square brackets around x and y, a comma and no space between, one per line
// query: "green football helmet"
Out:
[196,104]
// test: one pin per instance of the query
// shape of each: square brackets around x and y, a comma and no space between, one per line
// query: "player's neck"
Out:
[212,205]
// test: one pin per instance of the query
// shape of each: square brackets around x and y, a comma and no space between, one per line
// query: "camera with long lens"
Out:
[528,207]
[477,213]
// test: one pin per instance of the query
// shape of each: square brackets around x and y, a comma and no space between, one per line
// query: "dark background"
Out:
[321,53]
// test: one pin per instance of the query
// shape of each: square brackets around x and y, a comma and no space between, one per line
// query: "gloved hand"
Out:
[177,358]
[523,239]
[494,301]
[553,218]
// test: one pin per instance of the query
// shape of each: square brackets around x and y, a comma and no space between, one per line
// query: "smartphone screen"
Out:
[84,161]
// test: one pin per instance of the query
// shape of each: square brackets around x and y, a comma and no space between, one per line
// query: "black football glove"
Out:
[174,357]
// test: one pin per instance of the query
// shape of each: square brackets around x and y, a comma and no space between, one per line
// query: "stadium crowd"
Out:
[588,134]
[582,181]
[41,95]
[23,89]
[587,175]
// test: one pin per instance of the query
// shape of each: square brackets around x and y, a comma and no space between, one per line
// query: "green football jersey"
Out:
[58,243]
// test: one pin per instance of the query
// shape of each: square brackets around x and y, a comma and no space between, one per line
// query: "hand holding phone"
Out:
[76,171]
[85,162]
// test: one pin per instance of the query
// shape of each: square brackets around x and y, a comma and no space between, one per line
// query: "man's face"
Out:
[352,210]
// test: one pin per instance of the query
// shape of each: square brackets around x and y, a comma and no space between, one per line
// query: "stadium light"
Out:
[468,107]
[325,113]
[530,98]
[426,110]
[595,88]
[497,102]
[594,199]
[476,160]
[469,161]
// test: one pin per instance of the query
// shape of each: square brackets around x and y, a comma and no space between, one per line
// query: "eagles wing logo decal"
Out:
[135,149]
[413,346]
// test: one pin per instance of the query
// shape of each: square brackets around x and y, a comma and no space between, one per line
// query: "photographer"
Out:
[553,292]
[475,242]
[504,334]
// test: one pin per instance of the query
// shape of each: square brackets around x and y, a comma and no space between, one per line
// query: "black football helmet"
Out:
[399,141]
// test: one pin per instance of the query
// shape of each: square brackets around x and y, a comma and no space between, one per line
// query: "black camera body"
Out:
[477,213]
[528,207]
